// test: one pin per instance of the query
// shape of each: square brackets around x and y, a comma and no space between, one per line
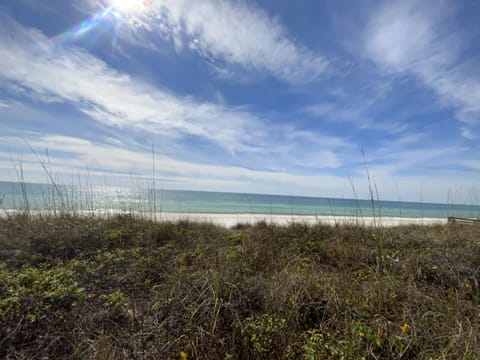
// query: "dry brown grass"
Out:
[76,287]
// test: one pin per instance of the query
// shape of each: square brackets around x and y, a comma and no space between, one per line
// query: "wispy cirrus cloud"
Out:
[103,158]
[234,35]
[421,39]
[33,66]
[5,103]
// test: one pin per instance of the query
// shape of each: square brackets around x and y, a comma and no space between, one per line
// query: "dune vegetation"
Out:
[125,287]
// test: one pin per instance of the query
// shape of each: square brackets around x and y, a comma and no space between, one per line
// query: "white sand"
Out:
[233,219]
[230,220]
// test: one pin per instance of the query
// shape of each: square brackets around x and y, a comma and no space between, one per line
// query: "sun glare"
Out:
[128,6]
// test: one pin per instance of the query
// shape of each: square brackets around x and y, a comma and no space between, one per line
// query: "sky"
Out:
[316,98]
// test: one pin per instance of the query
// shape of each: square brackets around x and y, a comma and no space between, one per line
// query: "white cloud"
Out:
[117,161]
[420,38]
[47,73]
[33,66]
[107,162]
[5,104]
[389,161]
[471,164]
[356,113]
[402,34]
[467,133]
[237,33]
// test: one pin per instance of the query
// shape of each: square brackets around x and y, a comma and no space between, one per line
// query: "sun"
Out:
[128,6]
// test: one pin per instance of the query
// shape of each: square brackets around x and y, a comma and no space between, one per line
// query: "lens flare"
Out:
[128,6]
[116,13]
[82,28]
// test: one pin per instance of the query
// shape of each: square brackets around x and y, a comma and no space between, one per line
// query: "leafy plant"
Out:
[263,333]
[34,292]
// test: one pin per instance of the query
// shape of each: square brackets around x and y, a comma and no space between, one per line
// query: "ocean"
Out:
[91,198]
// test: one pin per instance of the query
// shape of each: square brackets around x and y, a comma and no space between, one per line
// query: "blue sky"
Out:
[267,97]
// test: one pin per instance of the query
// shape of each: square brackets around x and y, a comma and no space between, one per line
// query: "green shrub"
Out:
[116,300]
[321,346]
[263,335]
[34,292]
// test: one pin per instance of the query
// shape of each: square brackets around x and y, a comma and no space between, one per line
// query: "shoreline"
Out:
[230,220]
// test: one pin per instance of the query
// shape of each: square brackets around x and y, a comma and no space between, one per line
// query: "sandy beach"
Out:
[229,220]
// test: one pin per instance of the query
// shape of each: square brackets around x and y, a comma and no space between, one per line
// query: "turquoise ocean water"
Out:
[44,197]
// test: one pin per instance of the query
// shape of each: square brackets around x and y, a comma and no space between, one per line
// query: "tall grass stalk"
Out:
[50,179]
[358,206]
[154,187]
[21,179]
[379,240]
[370,188]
